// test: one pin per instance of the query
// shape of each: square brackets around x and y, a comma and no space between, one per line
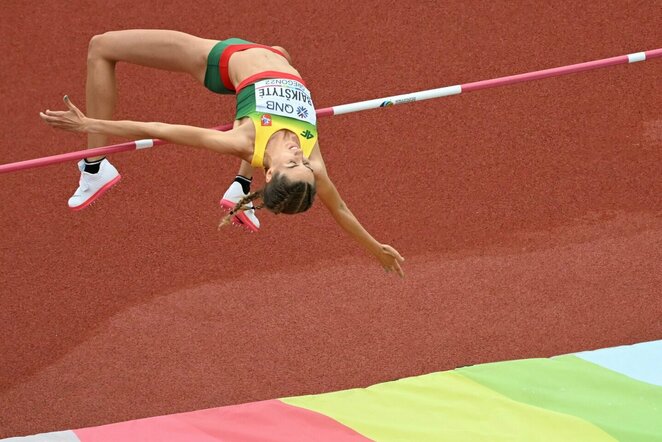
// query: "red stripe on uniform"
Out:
[268,74]
[225,60]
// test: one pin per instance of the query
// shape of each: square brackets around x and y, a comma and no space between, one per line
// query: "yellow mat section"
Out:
[445,406]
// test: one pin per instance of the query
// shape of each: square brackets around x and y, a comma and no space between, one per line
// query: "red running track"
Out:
[529,215]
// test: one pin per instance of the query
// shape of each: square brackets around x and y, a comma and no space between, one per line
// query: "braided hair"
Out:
[280,195]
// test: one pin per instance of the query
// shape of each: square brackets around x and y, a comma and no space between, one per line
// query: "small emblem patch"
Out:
[302,112]
[266,120]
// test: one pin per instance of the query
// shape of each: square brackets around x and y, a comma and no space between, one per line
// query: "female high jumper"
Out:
[274,129]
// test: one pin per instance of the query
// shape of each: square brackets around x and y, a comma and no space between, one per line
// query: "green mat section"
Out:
[627,409]
[446,406]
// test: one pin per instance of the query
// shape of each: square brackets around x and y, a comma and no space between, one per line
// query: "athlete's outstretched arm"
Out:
[388,257]
[74,120]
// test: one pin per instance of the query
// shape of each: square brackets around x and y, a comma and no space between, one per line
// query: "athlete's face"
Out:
[286,157]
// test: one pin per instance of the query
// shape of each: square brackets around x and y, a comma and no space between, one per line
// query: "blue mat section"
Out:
[642,362]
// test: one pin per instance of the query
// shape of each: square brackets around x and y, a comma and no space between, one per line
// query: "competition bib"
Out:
[285,97]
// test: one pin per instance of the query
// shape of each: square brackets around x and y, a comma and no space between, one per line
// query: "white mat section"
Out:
[58,436]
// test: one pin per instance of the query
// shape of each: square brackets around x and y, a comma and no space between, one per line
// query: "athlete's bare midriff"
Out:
[243,64]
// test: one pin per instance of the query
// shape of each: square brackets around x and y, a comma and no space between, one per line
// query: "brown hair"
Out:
[280,195]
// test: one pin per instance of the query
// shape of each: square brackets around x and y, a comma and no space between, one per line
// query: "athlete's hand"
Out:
[390,259]
[73,119]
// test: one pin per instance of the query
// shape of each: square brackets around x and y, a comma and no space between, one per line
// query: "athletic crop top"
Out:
[275,104]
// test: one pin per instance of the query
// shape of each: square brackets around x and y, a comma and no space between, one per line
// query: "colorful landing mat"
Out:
[612,394]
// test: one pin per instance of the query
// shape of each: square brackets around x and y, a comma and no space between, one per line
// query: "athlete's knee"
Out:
[97,48]
[94,47]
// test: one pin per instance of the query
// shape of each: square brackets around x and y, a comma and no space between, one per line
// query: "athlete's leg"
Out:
[169,50]
[239,188]
[161,49]
[246,170]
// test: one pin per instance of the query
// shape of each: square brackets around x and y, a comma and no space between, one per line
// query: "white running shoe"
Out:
[92,185]
[246,218]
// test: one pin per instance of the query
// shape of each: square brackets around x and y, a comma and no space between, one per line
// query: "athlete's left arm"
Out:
[233,142]
[389,258]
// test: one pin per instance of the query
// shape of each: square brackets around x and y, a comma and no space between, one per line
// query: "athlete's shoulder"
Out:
[317,162]
[241,138]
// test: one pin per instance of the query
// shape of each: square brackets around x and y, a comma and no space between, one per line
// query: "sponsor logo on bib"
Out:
[307,134]
[302,112]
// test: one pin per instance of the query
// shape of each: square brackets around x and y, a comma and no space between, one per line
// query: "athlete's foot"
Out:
[245,218]
[92,185]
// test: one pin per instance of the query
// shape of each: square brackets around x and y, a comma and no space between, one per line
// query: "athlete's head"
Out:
[282,195]
[283,156]
[290,181]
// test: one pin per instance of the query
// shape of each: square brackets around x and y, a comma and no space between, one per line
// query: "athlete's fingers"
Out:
[399,270]
[49,117]
[394,253]
[46,117]
[56,122]
[72,106]
[55,113]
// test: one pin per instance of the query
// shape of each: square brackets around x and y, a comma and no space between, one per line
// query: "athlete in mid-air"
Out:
[274,129]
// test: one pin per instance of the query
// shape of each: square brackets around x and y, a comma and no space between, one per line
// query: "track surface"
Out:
[530,216]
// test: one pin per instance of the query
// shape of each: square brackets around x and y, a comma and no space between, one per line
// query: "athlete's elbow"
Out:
[164,131]
[339,210]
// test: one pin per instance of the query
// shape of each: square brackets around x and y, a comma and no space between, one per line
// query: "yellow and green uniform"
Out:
[272,100]
[275,104]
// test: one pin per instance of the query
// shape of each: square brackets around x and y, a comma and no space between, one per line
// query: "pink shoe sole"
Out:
[99,192]
[240,218]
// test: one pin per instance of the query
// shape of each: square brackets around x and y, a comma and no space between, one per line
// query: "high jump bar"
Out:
[359,106]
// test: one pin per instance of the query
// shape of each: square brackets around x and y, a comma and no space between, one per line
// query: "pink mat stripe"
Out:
[253,422]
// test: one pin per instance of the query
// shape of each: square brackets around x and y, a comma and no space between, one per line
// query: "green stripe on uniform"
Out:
[213,80]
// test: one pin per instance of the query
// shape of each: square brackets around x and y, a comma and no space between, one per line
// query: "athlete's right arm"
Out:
[74,120]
